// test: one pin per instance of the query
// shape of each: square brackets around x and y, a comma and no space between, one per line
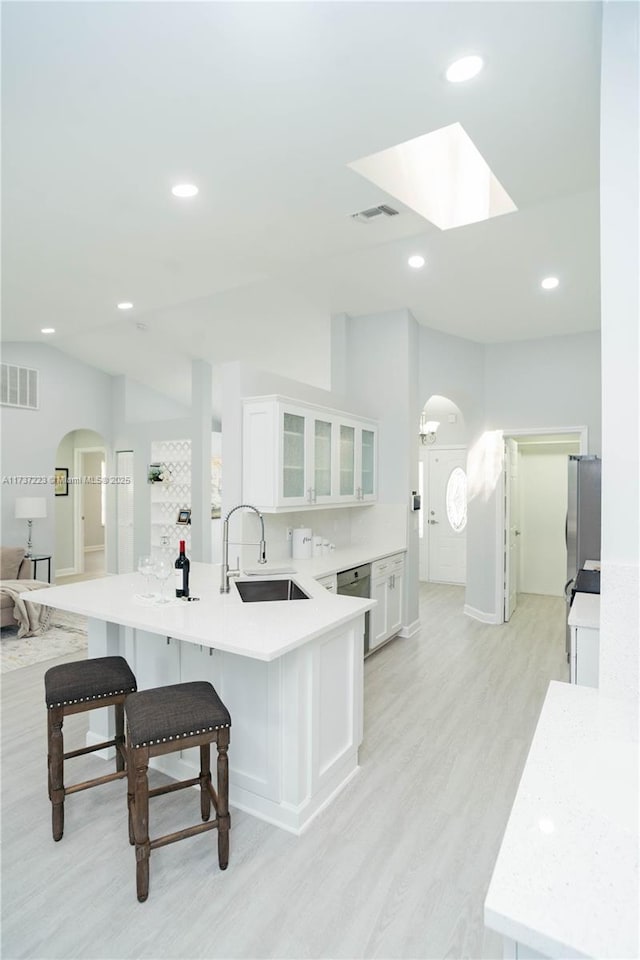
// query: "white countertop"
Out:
[566,879]
[585,611]
[263,631]
[336,561]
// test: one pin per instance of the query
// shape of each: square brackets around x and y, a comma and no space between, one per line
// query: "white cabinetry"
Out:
[296,456]
[387,583]
[584,624]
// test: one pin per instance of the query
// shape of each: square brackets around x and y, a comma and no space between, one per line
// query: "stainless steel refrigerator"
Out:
[583,519]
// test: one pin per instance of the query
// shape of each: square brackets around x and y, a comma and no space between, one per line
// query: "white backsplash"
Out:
[343,526]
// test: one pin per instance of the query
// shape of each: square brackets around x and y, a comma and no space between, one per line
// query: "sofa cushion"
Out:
[10,561]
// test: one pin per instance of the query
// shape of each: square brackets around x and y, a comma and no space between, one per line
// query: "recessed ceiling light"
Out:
[125,305]
[549,283]
[48,330]
[464,69]
[416,261]
[184,190]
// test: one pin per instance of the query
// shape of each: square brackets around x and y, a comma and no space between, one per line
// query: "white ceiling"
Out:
[263,105]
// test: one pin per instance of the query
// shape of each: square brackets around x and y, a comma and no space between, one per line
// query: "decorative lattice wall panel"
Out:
[170,495]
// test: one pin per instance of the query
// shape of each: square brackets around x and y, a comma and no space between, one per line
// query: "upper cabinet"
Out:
[296,456]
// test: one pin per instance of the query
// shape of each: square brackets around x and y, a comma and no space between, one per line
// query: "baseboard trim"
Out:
[66,572]
[94,549]
[481,615]
[410,629]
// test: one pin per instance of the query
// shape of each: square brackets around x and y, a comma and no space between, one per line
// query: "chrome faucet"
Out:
[262,557]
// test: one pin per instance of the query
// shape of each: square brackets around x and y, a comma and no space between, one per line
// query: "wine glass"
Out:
[145,568]
[162,570]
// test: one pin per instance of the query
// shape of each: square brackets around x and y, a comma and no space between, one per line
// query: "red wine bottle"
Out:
[182,573]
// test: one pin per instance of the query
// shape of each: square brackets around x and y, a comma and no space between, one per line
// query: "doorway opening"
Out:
[534,555]
[442,484]
[81,520]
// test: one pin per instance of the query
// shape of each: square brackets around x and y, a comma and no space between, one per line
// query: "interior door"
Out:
[446,519]
[511,527]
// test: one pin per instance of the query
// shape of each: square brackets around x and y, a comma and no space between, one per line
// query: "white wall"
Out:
[552,382]
[619,205]
[72,395]
[545,383]
[542,482]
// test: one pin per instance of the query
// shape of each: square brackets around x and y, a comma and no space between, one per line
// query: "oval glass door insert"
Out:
[456,499]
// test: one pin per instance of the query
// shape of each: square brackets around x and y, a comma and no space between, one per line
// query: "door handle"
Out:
[517,533]
[434,521]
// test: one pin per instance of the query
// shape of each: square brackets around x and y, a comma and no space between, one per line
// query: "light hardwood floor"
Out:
[397,867]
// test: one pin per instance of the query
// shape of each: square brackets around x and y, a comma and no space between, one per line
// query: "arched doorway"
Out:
[442,462]
[80,507]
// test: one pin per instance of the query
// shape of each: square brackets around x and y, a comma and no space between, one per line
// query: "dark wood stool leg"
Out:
[49,732]
[119,736]
[205,780]
[56,776]
[224,821]
[140,764]
[131,789]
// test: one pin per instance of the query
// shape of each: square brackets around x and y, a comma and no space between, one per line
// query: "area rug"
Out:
[67,633]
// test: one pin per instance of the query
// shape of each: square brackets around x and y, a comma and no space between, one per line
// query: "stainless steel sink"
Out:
[259,591]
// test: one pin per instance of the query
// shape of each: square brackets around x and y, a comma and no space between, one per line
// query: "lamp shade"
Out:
[30,508]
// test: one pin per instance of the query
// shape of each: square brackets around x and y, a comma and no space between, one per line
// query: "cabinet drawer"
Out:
[388,565]
[380,568]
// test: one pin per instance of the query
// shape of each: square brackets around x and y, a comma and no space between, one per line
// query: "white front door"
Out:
[511,525]
[446,517]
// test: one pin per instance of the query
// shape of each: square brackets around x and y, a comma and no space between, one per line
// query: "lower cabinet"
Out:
[387,587]
[585,650]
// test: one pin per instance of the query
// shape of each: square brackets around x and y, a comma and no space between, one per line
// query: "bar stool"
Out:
[75,688]
[163,720]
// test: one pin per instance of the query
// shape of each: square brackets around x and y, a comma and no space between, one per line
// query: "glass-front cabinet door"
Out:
[367,464]
[347,460]
[293,457]
[322,459]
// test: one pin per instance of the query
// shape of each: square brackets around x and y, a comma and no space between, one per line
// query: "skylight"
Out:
[441,175]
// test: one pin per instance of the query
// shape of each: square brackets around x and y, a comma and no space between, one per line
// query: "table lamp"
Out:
[30,509]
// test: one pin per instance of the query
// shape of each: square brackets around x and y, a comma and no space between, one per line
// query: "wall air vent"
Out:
[19,387]
[364,216]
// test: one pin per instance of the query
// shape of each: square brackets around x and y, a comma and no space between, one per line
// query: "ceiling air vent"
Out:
[19,387]
[365,215]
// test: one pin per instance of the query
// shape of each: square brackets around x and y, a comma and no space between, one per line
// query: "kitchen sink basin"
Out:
[258,591]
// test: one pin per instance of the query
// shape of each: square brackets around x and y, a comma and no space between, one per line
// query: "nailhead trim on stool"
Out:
[174,712]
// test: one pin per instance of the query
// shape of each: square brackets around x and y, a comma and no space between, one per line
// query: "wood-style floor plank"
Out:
[397,867]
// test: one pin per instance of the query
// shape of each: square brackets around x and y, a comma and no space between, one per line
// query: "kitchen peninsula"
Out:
[290,673]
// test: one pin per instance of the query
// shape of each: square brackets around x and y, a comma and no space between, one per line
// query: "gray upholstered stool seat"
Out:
[174,712]
[75,688]
[85,680]
[161,721]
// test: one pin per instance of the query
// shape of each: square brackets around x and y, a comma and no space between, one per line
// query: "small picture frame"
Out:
[61,485]
[184,516]
[155,473]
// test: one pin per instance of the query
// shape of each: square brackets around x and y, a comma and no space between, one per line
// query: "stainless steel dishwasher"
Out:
[357,583]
